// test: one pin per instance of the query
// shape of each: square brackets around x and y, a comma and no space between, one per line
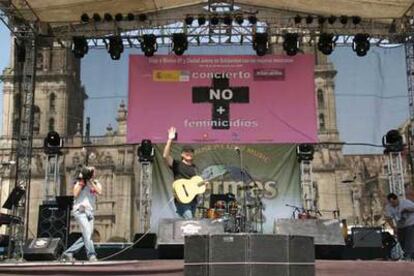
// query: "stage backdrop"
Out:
[222,99]
[273,167]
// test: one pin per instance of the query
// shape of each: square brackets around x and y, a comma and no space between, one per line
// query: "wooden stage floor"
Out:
[176,267]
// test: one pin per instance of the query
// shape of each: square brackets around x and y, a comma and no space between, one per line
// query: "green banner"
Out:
[272,173]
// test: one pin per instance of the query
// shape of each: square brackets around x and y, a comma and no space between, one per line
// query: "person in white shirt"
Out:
[399,214]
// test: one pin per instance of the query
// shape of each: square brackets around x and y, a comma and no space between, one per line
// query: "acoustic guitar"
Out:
[185,190]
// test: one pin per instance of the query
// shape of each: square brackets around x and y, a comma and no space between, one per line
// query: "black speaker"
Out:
[249,254]
[42,249]
[54,222]
[148,240]
[367,237]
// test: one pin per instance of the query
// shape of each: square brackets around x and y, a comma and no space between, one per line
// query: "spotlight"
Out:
[201,20]
[393,141]
[252,19]
[119,17]
[309,19]
[85,18]
[356,20]
[115,47]
[326,43]
[149,44]
[130,17]
[332,19]
[96,17]
[360,44]
[189,20]
[142,17]
[304,152]
[321,20]
[214,20]
[239,19]
[343,19]
[180,43]
[291,43]
[261,43]
[79,46]
[145,151]
[108,17]
[298,19]
[52,143]
[227,20]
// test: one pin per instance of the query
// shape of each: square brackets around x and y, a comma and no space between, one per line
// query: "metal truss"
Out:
[145,193]
[396,174]
[52,177]
[307,187]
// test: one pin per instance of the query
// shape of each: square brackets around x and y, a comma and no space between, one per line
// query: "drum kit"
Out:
[225,208]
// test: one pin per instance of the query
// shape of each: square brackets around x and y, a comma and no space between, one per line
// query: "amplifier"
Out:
[366,237]
[42,249]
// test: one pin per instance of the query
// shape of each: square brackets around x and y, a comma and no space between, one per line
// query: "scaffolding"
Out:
[307,186]
[145,191]
[52,178]
[395,174]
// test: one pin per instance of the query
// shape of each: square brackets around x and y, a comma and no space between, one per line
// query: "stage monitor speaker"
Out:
[249,254]
[366,237]
[42,249]
[148,240]
[54,222]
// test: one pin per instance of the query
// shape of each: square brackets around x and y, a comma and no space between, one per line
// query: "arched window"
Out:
[52,102]
[51,124]
[321,122]
[321,100]
[36,120]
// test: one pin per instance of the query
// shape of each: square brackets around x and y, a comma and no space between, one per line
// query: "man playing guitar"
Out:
[182,169]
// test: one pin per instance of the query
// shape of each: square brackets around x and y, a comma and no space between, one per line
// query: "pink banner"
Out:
[222,99]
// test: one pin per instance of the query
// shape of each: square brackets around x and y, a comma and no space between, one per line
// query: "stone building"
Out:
[59,105]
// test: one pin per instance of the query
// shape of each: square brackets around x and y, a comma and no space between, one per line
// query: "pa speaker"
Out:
[367,237]
[54,222]
[42,249]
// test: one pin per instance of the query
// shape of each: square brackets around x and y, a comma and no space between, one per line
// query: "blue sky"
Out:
[371,91]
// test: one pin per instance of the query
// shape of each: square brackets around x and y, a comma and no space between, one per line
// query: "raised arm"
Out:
[167,150]
[78,187]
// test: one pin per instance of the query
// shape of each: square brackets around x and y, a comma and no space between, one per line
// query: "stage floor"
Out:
[176,267]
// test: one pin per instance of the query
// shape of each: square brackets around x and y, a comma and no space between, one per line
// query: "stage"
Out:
[176,267]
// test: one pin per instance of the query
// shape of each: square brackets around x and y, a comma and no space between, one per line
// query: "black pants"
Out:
[406,239]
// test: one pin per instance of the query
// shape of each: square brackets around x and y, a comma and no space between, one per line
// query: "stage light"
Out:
[85,18]
[309,19]
[201,20]
[304,152]
[291,43]
[108,17]
[332,19]
[214,20]
[321,20]
[96,17]
[261,43]
[227,20]
[149,44]
[343,19]
[115,47]
[52,143]
[189,20]
[145,151]
[298,19]
[361,44]
[142,17]
[79,46]
[393,141]
[119,17]
[326,43]
[252,19]
[239,19]
[356,20]
[130,17]
[179,43]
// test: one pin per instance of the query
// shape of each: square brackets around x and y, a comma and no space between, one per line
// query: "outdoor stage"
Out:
[176,267]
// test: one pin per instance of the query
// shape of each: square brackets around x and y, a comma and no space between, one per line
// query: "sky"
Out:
[371,91]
